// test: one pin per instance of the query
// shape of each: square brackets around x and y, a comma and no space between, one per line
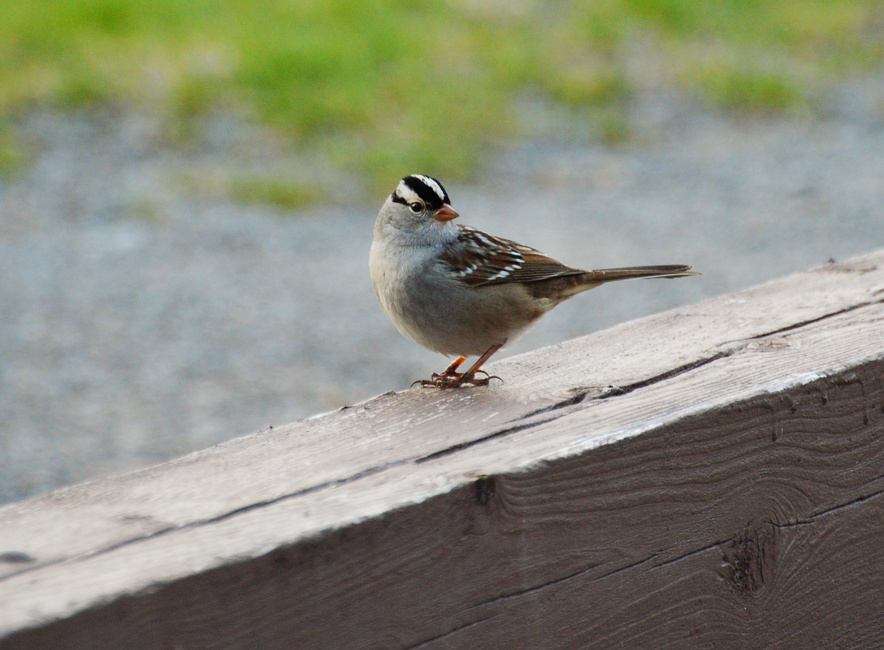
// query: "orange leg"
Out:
[450,378]
[451,371]
[469,376]
[446,378]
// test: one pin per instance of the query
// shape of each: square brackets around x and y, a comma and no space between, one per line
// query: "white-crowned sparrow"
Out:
[459,291]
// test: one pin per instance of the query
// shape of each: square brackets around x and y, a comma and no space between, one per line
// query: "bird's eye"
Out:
[416,206]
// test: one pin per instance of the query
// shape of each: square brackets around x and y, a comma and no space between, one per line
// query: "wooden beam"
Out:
[708,476]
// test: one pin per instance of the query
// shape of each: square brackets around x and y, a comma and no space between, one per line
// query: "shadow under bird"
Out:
[462,292]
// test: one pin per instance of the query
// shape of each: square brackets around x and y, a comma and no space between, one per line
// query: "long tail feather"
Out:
[630,272]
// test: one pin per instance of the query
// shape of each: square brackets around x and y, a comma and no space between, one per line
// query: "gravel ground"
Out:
[144,314]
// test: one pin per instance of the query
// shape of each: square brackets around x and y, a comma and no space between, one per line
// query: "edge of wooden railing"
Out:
[713,474]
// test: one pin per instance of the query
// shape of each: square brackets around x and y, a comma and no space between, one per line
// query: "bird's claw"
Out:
[456,379]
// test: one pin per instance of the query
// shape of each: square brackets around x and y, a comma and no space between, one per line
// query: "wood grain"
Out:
[709,476]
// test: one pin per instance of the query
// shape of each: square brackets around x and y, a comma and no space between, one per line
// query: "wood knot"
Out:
[485,487]
[749,559]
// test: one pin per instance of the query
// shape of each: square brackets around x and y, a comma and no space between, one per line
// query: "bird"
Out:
[462,292]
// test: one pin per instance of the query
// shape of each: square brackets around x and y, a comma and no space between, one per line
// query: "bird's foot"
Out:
[472,379]
[446,379]
[457,379]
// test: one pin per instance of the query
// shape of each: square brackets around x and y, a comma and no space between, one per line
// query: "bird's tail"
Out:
[630,272]
[565,285]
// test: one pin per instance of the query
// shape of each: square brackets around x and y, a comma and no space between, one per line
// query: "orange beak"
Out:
[445,213]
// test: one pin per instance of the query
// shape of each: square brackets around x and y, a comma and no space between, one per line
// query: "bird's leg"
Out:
[450,371]
[446,378]
[450,378]
[469,377]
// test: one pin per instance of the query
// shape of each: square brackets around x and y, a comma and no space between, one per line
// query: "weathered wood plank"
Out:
[696,475]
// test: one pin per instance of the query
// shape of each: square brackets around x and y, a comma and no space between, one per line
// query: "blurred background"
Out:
[188,188]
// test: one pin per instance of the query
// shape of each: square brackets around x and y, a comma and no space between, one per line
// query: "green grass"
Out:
[281,193]
[13,154]
[751,90]
[390,87]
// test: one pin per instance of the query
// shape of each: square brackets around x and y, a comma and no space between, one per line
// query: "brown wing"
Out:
[480,259]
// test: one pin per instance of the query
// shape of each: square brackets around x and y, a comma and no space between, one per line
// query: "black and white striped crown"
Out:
[423,188]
